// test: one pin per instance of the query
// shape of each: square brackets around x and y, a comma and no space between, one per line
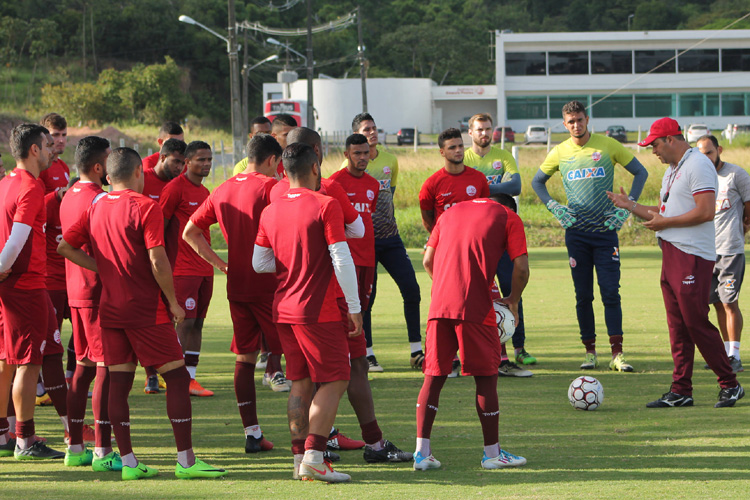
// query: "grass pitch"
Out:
[621,450]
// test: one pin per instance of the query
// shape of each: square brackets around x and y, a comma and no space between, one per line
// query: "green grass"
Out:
[622,450]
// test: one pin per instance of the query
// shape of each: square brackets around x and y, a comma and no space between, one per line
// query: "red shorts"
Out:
[478,345]
[60,304]
[152,345]
[365,277]
[194,294]
[317,351]
[358,344]
[250,320]
[87,334]
[25,316]
[53,343]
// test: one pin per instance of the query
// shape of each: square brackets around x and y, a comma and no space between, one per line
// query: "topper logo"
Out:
[586,173]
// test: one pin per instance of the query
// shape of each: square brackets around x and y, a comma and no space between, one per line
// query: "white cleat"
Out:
[424,463]
[321,471]
[503,460]
[297,460]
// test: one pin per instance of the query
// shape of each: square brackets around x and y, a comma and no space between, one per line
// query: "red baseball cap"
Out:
[663,127]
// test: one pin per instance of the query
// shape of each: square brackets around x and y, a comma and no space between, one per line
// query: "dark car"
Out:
[510,136]
[405,136]
[617,132]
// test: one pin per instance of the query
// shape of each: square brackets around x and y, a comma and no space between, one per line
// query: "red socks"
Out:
[244,389]
[179,409]
[150,371]
[78,396]
[25,429]
[99,403]
[591,344]
[54,382]
[298,446]
[488,408]
[316,442]
[371,432]
[427,404]
[71,361]
[120,384]
[615,342]
[273,364]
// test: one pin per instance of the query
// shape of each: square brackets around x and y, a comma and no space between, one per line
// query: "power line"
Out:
[336,25]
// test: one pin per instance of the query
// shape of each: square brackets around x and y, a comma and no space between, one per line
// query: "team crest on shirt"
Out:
[586,173]
[730,284]
[387,170]
[370,194]
[573,262]
[56,336]
[596,156]
[190,304]
[58,238]
[471,190]
[497,165]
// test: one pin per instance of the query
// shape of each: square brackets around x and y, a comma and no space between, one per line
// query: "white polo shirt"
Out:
[693,174]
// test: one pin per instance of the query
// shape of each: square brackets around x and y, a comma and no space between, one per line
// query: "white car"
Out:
[536,133]
[696,131]
[735,129]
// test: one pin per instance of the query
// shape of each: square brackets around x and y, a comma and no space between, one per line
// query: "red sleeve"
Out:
[335,191]
[78,234]
[153,224]
[333,221]
[516,236]
[435,235]
[30,203]
[426,200]
[268,188]
[170,199]
[205,216]
[262,239]
[484,189]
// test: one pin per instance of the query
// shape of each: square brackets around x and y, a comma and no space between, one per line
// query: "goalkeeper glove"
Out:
[616,218]
[564,215]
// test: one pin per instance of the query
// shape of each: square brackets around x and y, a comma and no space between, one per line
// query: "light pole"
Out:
[630,18]
[245,82]
[273,41]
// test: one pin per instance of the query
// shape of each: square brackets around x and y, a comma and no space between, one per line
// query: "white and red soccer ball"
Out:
[506,322]
[586,393]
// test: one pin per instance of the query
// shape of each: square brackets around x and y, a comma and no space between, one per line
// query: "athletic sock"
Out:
[25,432]
[734,349]
[54,382]
[492,451]
[371,434]
[99,404]
[503,354]
[128,459]
[415,347]
[70,365]
[186,458]
[4,429]
[244,390]
[298,446]
[316,442]
[120,384]
[488,408]
[273,364]
[191,362]
[254,431]
[179,408]
[517,351]
[727,349]
[615,343]
[78,396]
[370,351]
[423,447]
[590,345]
[150,371]
[427,404]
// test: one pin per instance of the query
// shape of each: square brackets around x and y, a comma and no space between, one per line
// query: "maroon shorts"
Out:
[317,351]
[152,345]
[87,334]
[477,344]
[60,304]
[365,277]
[25,316]
[249,319]
[358,344]
[194,294]
[53,342]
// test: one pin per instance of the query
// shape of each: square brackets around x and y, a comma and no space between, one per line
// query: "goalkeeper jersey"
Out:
[587,172]
[494,165]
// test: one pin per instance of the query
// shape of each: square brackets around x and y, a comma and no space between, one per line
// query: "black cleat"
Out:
[6,450]
[417,358]
[331,456]
[389,453]
[727,397]
[37,451]
[671,400]
[255,445]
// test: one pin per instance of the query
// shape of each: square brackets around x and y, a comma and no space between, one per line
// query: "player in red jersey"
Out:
[169,165]
[302,238]
[125,231]
[461,258]
[193,276]
[58,174]
[169,130]
[84,290]
[24,302]
[236,205]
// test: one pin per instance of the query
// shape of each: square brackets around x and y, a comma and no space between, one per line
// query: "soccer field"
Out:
[621,450]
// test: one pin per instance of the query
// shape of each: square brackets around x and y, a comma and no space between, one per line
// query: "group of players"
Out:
[304,252]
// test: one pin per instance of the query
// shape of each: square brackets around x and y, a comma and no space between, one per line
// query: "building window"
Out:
[699,104]
[698,61]
[525,63]
[556,103]
[525,108]
[611,62]
[646,60]
[568,63]
[735,59]
[735,104]
[654,105]
[614,106]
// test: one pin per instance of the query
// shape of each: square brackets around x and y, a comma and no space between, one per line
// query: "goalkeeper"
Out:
[586,162]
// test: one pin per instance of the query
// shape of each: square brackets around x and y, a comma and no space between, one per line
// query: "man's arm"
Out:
[746,217]
[519,279]
[428,219]
[510,187]
[77,256]
[704,211]
[640,174]
[162,272]
[621,200]
[428,260]
[539,185]
[19,234]
[264,260]
[346,275]
[194,236]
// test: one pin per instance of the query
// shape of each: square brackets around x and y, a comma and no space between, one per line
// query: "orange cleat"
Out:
[197,390]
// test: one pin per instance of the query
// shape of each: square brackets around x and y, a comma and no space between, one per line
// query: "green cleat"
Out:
[6,450]
[110,462]
[590,362]
[199,469]
[140,471]
[618,364]
[524,358]
[84,457]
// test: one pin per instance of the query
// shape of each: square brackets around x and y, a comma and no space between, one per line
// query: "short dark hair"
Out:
[259,120]
[122,163]
[709,137]
[195,146]
[261,146]
[90,151]
[54,120]
[73,180]
[505,199]
[450,133]
[173,146]
[23,136]
[574,107]
[304,135]
[284,119]
[362,117]
[298,159]
[355,139]
[170,128]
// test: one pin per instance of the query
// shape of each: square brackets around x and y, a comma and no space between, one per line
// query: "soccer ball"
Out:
[506,323]
[586,393]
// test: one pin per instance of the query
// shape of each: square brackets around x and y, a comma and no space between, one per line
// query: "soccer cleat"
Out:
[727,397]
[504,459]
[6,450]
[151,387]
[254,445]
[199,469]
[37,451]
[89,436]
[140,471]
[389,453]
[278,382]
[196,389]
[162,382]
[524,358]
[373,362]
[322,471]
[297,460]
[590,362]
[455,369]
[84,457]
[510,369]
[110,462]
[618,364]
[736,364]
[424,463]
[331,456]
[43,400]
[262,361]
[671,400]
[337,441]
[416,360]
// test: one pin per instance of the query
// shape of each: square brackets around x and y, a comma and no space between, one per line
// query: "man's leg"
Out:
[581,261]
[77,398]
[728,274]
[6,379]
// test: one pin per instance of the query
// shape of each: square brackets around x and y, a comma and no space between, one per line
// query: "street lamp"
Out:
[245,77]
[273,41]
[630,18]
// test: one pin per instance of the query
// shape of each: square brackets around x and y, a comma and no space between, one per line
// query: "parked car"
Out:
[510,136]
[381,136]
[695,131]
[405,136]
[734,129]
[536,133]
[463,124]
[617,132]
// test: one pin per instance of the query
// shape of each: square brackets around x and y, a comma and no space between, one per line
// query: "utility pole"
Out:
[310,108]
[361,52]
[234,72]
[245,78]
